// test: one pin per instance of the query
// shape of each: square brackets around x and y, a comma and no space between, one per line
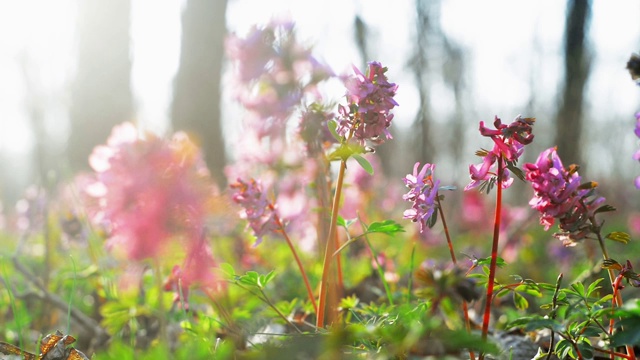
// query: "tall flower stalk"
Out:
[495,169]
[263,218]
[364,120]
[423,193]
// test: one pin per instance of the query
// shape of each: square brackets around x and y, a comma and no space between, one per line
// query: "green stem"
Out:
[412,265]
[330,248]
[73,290]
[380,270]
[494,255]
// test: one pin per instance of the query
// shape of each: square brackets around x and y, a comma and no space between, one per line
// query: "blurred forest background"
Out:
[71,70]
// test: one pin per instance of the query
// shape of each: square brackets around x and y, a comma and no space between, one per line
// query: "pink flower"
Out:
[422,193]
[257,209]
[508,144]
[274,72]
[370,97]
[148,191]
[559,196]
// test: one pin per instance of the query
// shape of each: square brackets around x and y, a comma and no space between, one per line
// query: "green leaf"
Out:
[593,286]
[585,348]
[520,301]
[564,349]
[388,227]
[578,287]
[345,151]
[487,261]
[619,236]
[364,163]
[268,277]
[228,270]
[333,128]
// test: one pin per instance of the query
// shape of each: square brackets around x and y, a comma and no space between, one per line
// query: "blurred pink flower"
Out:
[257,209]
[148,190]
[273,73]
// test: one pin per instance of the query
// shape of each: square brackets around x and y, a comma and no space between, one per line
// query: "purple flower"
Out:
[258,210]
[559,196]
[370,97]
[422,193]
[508,143]
[274,72]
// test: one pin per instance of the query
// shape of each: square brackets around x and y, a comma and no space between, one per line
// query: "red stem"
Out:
[295,255]
[494,255]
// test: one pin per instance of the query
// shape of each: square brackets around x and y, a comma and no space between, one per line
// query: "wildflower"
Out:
[422,192]
[274,72]
[370,98]
[148,190]
[508,144]
[559,195]
[257,210]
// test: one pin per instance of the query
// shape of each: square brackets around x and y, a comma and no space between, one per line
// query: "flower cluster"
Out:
[148,190]
[423,190]
[370,98]
[558,194]
[257,209]
[150,193]
[508,144]
[273,73]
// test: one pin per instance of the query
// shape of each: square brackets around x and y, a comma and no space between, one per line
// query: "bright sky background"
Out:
[508,45]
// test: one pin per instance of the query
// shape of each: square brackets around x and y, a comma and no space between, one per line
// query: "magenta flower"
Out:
[257,209]
[559,196]
[422,193]
[370,97]
[508,143]
[148,190]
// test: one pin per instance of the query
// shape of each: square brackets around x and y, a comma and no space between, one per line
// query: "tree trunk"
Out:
[196,101]
[569,121]
[101,94]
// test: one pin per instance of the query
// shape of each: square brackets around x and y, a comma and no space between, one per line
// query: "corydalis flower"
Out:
[559,195]
[508,144]
[370,97]
[423,190]
[257,209]
[148,190]
[274,72]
